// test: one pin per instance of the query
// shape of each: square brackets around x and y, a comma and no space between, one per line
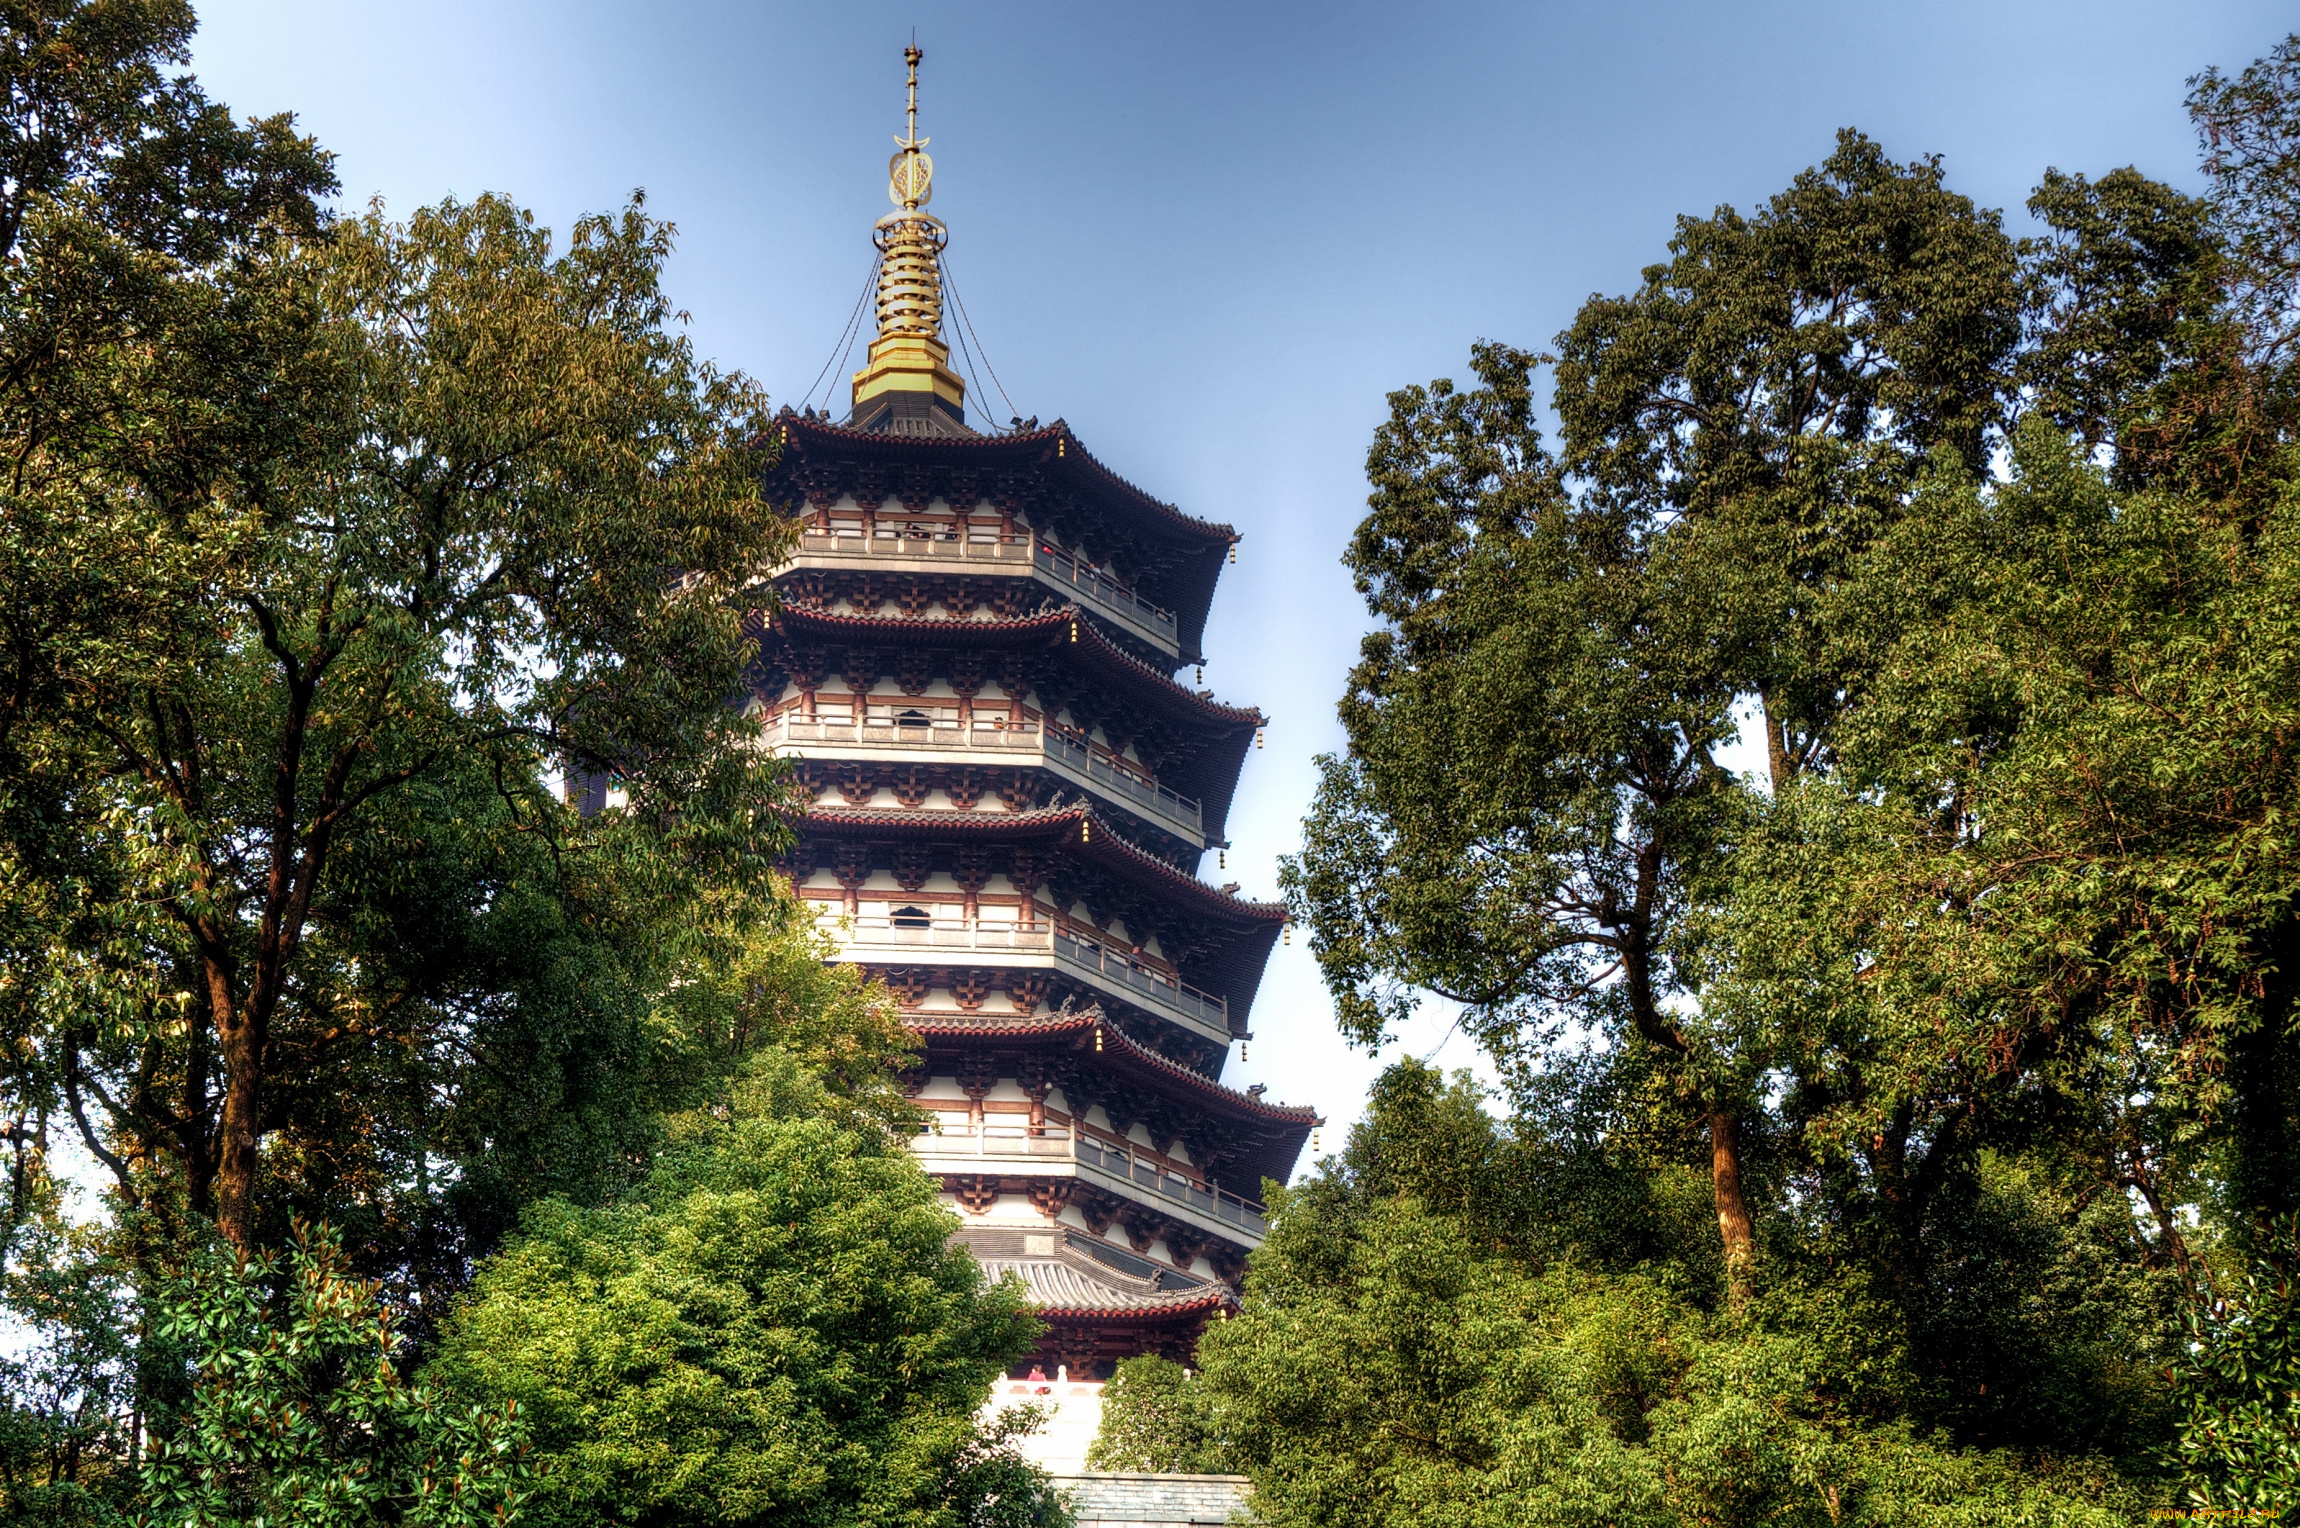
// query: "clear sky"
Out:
[1213,236]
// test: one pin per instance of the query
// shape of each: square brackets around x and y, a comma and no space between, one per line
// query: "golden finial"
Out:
[910,174]
[906,385]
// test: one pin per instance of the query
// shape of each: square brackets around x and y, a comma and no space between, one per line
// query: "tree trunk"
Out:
[242,1045]
[1776,744]
[2263,1071]
[1734,1227]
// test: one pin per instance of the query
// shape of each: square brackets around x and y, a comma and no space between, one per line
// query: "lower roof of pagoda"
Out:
[1098,1063]
[1047,475]
[1216,940]
[1063,1290]
[1196,745]
[1074,1036]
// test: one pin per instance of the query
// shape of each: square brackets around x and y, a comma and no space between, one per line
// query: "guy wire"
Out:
[846,335]
[969,323]
[966,355]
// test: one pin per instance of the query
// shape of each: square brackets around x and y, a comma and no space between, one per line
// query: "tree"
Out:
[1770,395]
[128,201]
[488,527]
[1390,1367]
[1531,790]
[771,1325]
[1565,641]
[84,102]
[300,1416]
[2240,1383]
[2249,128]
[2118,294]
[1155,1418]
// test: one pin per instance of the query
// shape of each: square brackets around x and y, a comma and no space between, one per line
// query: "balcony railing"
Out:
[1146,794]
[1068,754]
[1103,591]
[941,546]
[995,1141]
[1121,1160]
[1115,971]
[1144,982]
[1055,566]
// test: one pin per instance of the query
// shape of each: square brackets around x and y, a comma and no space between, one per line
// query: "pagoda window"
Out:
[917,528]
[911,716]
[912,917]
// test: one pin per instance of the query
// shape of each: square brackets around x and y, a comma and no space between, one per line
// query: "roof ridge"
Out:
[1039,816]
[1047,618]
[1092,1017]
[1060,430]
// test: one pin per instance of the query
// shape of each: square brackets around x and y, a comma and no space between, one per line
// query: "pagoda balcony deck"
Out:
[983,743]
[1100,1160]
[883,942]
[890,551]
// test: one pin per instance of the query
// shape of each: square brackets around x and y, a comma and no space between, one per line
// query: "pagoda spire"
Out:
[906,385]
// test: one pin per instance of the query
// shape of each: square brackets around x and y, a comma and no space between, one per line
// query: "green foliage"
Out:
[85,100]
[1156,1418]
[299,1414]
[771,1325]
[322,562]
[2249,128]
[1982,994]
[2117,293]
[1387,1369]
[2239,1382]
[68,1395]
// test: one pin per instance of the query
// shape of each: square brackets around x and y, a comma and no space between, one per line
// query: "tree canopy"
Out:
[1982,981]
[771,1326]
[336,551]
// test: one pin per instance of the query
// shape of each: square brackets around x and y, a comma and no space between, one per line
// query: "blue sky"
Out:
[1212,237]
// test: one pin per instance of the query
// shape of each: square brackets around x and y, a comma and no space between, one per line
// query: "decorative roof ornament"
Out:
[910,174]
[906,386]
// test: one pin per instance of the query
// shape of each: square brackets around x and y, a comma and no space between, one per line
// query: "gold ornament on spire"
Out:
[906,385]
[910,174]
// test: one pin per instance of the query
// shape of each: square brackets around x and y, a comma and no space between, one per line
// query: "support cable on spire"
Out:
[846,342]
[967,324]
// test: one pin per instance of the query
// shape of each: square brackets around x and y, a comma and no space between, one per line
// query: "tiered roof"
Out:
[1171,558]
[1269,1136]
[1205,741]
[1233,934]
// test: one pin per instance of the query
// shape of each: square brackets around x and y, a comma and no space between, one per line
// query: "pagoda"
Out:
[972,667]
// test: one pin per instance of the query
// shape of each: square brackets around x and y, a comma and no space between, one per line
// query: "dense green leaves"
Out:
[298,1414]
[1156,1418]
[298,817]
[1392,1366]
[2240,1384]
[772,1326]
[1981,989]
